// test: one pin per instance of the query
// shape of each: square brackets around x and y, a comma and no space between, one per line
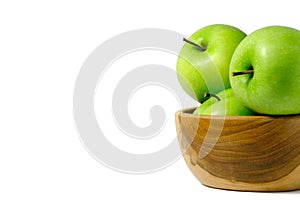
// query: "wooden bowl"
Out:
[248,153]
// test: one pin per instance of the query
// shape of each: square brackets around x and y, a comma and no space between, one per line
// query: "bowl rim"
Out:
[188,112]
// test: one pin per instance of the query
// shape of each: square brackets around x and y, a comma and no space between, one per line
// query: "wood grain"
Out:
[256,153]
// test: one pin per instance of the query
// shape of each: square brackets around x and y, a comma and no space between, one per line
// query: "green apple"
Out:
[265,71]
[203,63]
[224,103]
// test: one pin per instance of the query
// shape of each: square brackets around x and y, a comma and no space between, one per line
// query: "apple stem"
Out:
[212,95]
[250,71]
[194,44]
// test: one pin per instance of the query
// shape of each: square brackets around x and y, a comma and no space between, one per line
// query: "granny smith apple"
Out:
[265,71]
[203,63]
[223,103]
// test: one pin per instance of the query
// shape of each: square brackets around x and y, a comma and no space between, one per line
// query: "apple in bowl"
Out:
[265,71]
[203,63]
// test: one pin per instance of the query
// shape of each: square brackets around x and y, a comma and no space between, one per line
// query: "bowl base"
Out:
[288,183]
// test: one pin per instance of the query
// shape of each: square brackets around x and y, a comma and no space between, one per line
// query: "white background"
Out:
[42,47]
